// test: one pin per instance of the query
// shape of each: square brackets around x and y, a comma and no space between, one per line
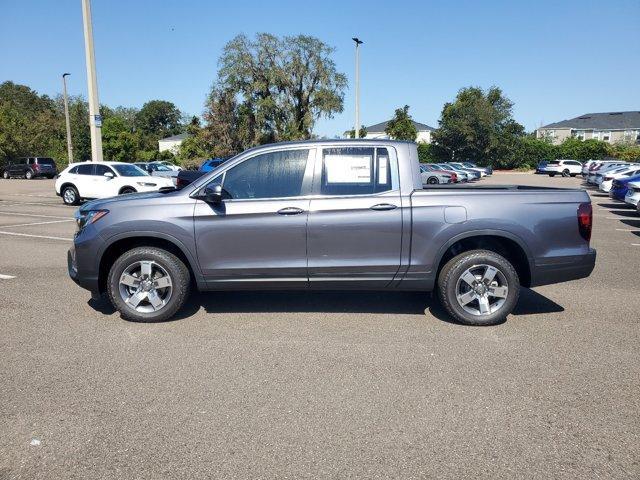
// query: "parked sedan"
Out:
[471,174]
[157,169]
[601,169]
[607,180]
[619,187]
[633,194]
[462,176]
[433,176]
[487,170]
[31,167]
[472,169]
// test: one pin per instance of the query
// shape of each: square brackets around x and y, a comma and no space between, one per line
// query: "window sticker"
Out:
[348,168]
[383,163]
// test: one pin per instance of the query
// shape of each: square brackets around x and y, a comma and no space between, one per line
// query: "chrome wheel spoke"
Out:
[469,278]
[135,299]
[466,297]
[483,303]
[154,299]
[162,282]
[499,292]
[129,280]
[489,274]
[145,269]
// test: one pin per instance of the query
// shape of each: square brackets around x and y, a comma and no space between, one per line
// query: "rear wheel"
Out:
[432,181]
[28,174]
[552,174]
[565,172]
[70,195]
[6,175]
[478,287]
[148,284]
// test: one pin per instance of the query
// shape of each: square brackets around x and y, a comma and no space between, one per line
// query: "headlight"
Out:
[147,184]
[87,217]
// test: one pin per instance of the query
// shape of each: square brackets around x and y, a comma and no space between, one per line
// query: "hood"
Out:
[129,199]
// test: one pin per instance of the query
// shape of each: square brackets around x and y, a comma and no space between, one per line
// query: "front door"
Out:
[257,236]
[355,219]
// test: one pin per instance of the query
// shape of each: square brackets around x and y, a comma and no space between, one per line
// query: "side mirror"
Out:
[213,194]
[109,175]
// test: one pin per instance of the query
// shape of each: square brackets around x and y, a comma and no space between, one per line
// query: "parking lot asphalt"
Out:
[314,385]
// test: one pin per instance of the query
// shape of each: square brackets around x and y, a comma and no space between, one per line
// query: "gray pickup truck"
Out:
[332,214]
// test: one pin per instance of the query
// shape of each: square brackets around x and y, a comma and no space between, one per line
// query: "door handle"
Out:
[290,211]
[383,206]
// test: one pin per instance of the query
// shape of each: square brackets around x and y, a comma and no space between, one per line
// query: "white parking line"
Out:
[18,214]
[29,195]
[14,204]
[37,223]
[35,236]
[6,277]
[627,230]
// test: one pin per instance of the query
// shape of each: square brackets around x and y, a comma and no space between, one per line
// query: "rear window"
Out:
[46,161]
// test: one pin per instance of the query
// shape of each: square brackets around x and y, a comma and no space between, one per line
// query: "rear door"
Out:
[258,235]
[355,218]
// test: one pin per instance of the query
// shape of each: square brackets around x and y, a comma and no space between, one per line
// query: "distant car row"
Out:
[452,172]
[29,168]
[621,180]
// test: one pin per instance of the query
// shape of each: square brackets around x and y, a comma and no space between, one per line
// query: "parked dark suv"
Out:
[30,167]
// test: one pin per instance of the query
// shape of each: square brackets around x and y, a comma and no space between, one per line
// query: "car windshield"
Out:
[128,170]
[161,168]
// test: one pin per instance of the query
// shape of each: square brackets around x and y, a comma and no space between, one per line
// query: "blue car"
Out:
[619,187]
[211,164]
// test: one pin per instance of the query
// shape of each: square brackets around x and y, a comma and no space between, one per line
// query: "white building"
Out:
[378,131]
[172,143]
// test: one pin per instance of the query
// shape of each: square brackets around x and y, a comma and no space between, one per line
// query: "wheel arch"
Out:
[126,187]
[123,243]
[503,243]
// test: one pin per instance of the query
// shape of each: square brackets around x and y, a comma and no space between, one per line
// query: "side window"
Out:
[101,170]
[31,161]
[85,169]
[74,170]
[270,175]
[355,171]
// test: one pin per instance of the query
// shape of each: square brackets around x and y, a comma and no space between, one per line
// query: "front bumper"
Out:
[82,259]
[563,269]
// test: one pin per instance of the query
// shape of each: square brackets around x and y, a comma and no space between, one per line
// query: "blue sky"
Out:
[554,59]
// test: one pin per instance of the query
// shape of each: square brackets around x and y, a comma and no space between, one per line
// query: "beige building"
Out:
[612,127]
[172,143]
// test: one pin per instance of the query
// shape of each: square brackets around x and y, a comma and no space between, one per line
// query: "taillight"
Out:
[607,178]
[585,220]
[36,166]
[454,177]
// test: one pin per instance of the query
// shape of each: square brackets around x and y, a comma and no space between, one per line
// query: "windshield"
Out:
[161,168]
[128,170]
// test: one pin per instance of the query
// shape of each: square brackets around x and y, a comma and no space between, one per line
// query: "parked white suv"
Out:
[104,179]
[563,167]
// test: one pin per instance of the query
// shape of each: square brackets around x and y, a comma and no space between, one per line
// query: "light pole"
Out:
[66,117]
[95,120]
[357,126]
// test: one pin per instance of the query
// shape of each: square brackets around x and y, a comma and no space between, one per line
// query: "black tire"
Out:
[552,174]
[127,190]
[28,175]
[70,195]
[433,181]
[6,175]
[451,275]
[175,268]
[573,175]
[565,172]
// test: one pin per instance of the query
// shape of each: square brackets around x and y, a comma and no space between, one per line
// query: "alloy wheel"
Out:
[145,286]
[482,290]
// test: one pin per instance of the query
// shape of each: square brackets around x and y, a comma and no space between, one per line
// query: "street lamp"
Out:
[357,126]
[66,117]
[95,120]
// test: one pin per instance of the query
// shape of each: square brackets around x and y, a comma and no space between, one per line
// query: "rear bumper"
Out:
[563,269]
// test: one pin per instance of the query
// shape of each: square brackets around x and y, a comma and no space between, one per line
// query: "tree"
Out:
[361,133]
[478,126]
[158,119]
[119,144]
[401,126]
[271,89]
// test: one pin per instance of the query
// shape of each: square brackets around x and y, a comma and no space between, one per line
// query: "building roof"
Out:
[381,127]
[174,138]
[601,121]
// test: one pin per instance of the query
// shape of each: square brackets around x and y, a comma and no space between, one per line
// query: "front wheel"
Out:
[70,195]
[148,284]
[6,175]
[478,287]
[565,173]
[28,175]
[432,181]
[552,175]
[127,190]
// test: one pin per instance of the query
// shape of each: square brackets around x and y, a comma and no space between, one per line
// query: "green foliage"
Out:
[158,119]
[583,149]
[478,126]
[427,153]
[401,126]
[271,89]
[119,144]
[361,133]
